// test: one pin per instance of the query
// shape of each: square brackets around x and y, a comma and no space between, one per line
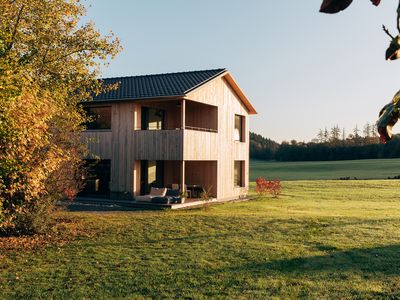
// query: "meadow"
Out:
[361,169]
[320,239]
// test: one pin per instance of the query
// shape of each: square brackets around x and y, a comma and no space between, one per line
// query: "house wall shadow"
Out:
[84,207]
[384,260]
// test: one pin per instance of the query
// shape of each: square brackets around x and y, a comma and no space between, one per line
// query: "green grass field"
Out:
[361,169]
[321,239]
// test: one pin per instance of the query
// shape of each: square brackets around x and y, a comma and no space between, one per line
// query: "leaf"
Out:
[334,6]
[376,2]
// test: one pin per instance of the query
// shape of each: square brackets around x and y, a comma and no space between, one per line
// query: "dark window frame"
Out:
[239,175]
[145,117]
[97,169]
[241,128]
[105,122]
[145,186]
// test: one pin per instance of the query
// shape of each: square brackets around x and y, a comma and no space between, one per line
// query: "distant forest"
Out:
[331,144]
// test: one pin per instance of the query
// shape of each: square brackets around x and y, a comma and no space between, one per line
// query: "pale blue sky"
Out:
[302,70]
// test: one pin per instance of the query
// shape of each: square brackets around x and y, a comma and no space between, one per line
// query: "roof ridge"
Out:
[162,74]
[157,85]
[221,71]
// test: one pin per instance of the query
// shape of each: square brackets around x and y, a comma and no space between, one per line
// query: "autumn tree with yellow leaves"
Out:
[49,63]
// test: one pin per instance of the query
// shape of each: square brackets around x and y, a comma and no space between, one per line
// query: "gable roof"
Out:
[167,85]
[157,85]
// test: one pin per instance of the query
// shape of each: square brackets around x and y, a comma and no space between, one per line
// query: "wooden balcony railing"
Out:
[158,144]
[201,129]
[178,128]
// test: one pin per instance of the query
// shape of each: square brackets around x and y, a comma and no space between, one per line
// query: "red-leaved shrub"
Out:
[70,193]
[264,186]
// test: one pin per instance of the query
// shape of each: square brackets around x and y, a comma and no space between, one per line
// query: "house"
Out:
[189,129]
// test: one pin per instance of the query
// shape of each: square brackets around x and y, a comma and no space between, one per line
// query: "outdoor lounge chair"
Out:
[154,192]
[172,196]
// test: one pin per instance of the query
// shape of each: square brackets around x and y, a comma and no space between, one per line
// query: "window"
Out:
[97,178]
[100,117]
[152,118]
[238,177]
[239,132]
[151,175]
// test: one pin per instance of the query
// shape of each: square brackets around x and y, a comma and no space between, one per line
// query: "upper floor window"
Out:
[100,117]
[239,131]
[152,118]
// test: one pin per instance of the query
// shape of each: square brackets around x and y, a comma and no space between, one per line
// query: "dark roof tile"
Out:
[155,86]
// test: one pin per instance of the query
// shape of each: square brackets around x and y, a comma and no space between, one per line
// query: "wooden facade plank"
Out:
[98,143]
[157,144]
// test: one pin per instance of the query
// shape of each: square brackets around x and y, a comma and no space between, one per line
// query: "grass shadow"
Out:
[367,261]
[84,207]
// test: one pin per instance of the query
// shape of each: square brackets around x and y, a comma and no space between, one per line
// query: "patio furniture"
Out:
[154,192]
[195,190]
[176,186]
[172,196]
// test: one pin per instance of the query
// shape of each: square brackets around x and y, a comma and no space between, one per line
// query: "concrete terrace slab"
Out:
[103,204]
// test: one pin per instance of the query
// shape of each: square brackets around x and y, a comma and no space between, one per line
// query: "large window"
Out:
[239,132]
[238,177]
[100,117]
[151,175]
[152,118]
[97,178]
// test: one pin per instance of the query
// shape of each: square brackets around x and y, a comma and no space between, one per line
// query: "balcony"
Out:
[179,144]
[158,144]
[99,143]
[200,144]
[175,130]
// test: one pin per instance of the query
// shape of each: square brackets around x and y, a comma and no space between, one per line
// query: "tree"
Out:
[374,133]
[390,113]
[326,135]
[356,134]
[367,131]
[335,133]
[320,136]
[48,65]
[343,134]
[262,148]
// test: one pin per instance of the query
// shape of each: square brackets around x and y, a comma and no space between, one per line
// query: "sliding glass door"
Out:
[151,175]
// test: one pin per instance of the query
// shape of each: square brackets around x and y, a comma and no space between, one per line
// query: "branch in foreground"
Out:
[398,17]
[387,32]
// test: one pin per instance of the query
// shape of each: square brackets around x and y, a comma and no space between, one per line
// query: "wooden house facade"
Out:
[189,129]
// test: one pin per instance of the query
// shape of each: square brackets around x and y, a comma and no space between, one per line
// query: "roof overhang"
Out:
[231,81]
[147,99]
[228,78]
[222,73]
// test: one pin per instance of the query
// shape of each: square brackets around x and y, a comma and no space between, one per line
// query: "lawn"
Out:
[361,169]
[321,239]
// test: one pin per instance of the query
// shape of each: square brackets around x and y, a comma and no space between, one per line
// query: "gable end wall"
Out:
[218,92]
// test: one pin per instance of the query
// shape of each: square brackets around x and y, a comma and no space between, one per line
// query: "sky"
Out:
[302,70]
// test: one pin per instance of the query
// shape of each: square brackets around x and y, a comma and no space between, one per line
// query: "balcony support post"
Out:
[183,186]
[183,113]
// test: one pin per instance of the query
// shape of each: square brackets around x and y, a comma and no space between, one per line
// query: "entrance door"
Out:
[151,175]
